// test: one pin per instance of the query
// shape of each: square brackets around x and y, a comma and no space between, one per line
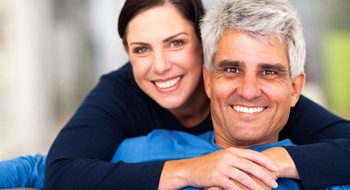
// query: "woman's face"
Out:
[166,55]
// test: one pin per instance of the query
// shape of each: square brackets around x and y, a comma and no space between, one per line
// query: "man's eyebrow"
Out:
[228,63]
[273,66]
[174,36]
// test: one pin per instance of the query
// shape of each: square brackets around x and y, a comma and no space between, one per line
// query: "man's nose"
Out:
[249,87]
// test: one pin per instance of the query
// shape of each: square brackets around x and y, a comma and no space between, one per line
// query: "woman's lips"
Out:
[168,83]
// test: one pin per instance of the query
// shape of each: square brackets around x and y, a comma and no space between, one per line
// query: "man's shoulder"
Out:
[170,138]
[163,145]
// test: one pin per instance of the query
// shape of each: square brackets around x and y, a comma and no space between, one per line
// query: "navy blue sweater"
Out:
[117,109]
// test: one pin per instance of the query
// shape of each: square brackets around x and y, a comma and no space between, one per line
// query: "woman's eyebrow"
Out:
[138,43]
[174,36]
[164,41]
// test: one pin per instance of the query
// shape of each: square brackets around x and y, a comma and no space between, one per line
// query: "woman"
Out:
[163,88]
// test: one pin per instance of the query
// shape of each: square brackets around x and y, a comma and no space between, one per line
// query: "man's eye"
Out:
[232,70]
[176,43]
[268,72]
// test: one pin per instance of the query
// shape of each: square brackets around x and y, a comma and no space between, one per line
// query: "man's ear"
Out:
[297,87]
[207,81]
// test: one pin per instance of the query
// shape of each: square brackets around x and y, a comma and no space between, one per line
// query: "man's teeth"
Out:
[248,110]
[169,83]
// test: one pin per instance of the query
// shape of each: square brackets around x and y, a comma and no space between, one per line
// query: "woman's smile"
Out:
[168,83]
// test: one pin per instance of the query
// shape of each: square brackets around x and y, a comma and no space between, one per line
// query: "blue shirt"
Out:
[24,171]
[170,145]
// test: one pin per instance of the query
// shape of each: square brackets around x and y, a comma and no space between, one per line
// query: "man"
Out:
[254,60]
[254,54]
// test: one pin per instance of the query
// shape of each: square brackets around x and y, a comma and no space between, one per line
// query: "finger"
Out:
[244,179]
[242,187]
[248,167]
[213,188]
[228,184]
[258,158]
[242,168]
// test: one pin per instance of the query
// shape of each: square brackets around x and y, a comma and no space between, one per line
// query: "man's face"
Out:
[250,89]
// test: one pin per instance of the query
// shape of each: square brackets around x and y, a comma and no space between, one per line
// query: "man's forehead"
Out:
[236,47]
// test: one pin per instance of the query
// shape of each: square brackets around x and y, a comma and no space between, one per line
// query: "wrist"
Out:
[173,176]
[284,161]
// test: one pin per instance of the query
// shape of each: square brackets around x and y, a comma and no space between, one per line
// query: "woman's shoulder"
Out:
[124,73]
[120,81]
[117,90]
[310,109]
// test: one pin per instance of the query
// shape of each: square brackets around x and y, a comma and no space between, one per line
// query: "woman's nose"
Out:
[160,63]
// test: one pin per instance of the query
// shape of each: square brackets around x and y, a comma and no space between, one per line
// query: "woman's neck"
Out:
[195,110]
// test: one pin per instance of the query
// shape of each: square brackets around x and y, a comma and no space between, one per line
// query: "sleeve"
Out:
[326,162]
[79,158]
[24,171]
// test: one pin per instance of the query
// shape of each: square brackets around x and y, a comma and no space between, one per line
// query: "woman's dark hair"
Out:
[191,10]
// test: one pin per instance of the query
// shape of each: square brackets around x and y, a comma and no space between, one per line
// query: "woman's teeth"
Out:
[168,84]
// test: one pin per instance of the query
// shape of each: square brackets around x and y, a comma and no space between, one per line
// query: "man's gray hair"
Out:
[260,19]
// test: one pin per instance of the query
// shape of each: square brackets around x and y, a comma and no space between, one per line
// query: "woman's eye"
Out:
[176,43]
[141,50]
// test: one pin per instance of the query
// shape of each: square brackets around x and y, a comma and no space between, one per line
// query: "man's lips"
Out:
[243,109]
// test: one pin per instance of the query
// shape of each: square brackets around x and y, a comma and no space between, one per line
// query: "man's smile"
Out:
[243,109]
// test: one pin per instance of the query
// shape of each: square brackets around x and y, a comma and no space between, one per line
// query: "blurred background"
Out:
[52,53]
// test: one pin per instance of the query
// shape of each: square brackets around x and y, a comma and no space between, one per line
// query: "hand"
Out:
[285,163]
[242,187]
[263,185]
[217,169]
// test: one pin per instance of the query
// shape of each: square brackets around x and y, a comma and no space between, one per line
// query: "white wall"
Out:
[25,97]
[40,68]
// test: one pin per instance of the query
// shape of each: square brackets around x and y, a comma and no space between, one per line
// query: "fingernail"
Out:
[274,184]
